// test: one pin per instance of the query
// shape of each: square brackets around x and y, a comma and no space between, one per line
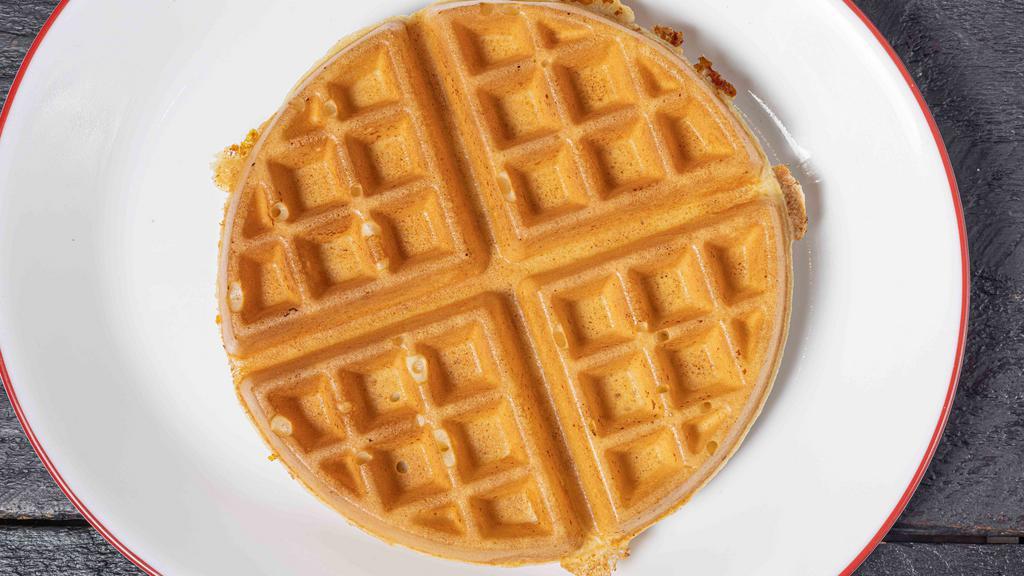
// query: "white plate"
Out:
[109,225]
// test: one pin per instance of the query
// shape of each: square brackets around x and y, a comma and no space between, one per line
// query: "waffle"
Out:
[507,282]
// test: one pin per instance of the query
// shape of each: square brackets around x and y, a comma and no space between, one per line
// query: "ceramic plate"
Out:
[109,224]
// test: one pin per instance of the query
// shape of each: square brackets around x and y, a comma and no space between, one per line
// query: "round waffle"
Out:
[507,282]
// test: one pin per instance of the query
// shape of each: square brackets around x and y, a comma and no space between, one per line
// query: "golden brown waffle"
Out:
[506,282]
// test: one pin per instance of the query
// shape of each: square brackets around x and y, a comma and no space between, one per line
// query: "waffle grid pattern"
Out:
[356,199]
[656,351]
[430,424]
[424,424]
[575,128]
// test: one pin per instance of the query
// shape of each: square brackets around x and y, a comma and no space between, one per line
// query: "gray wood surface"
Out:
[944,559]
[26,491]
[64,550]
[79,551]
[968,58]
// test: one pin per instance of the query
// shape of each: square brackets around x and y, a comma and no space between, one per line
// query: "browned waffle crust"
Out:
[506,282]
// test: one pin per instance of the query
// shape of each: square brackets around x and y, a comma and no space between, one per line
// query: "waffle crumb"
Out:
[231,161]
[669,34]
[596,558]
[796,206]
[705,68]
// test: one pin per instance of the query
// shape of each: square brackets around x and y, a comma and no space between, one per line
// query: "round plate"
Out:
[109,224]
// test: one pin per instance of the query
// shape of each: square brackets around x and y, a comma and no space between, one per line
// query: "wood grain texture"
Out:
[19,22]
[65,550]
[944,560]
[79,551]
[26,489]
[968,59]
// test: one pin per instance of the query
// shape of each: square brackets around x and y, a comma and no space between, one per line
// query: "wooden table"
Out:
[968,515]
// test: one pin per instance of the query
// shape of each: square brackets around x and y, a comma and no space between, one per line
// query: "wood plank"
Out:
[968,59]
[79,551]
[19,22]
[26,490]
[69,551]
[943,560]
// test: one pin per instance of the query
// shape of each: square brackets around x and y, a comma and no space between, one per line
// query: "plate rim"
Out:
[887,523]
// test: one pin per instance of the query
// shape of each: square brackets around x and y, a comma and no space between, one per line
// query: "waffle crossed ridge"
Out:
[505,283]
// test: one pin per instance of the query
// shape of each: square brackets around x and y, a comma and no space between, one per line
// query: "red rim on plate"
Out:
[875,539]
